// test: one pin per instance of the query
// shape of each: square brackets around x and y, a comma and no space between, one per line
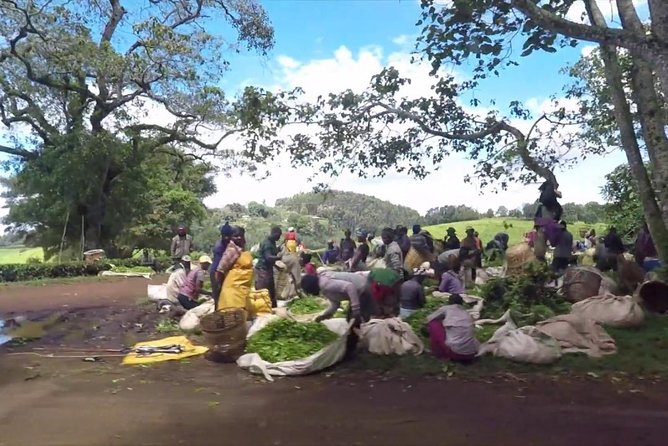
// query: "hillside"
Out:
[351,210]
[489,227]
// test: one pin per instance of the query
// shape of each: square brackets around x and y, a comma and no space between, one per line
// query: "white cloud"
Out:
[344,69]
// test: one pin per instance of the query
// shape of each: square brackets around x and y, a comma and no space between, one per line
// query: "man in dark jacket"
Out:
[451,240]
[614,247]
[403,240]
[347,246]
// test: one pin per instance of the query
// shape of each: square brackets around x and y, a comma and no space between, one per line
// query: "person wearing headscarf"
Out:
[236,271]
[451,282]
[290,259]
[218,250]
[452,332]
[305,261]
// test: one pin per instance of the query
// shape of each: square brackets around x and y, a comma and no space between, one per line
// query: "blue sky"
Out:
[330,45]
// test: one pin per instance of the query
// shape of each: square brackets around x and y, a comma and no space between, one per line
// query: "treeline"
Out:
[591,213]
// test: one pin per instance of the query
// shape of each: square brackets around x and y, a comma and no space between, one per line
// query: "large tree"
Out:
[88,88]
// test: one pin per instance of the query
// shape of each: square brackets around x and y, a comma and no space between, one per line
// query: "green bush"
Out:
[19,272]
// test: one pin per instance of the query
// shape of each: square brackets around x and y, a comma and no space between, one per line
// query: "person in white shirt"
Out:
[452,332]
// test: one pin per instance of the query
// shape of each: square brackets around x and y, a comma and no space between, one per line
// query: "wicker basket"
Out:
[414,259]
[581,282]
[517,258]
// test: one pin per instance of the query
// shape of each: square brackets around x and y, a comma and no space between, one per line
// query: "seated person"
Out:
[450,281]
[411,294]
[452,332]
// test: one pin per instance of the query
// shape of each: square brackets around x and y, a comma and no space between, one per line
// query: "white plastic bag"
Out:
[326,357]
[611,310]
[190,320]
[389,337]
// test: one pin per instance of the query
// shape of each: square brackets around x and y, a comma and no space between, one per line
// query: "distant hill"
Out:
[351,210]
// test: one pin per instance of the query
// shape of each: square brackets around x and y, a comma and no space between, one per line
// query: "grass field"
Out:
[489,227]
[19,254]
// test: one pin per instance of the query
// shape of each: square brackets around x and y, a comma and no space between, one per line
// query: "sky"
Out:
[330,45]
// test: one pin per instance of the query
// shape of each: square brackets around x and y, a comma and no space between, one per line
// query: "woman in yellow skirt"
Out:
[235,269]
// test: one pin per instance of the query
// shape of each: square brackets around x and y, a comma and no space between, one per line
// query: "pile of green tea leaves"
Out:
[528,297]
[417,319]
[287,340]
[307,305]
[132,269]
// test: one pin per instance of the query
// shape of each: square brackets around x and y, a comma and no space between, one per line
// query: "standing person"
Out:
[417,229]
[358,262]
[347,246]
[403,240]
[590,237]
[614,247]
[411,293]
[192,286]
[218,250]
[644,246]
[540,244]
[478,242]
[290,259]
[235,271]
[451,240]
[549,206]
[394,258]
[182,244]
[332,253]
[267,258]
[563,251]
[452,332]
[469,253]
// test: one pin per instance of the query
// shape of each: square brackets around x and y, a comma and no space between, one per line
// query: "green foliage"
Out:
[167,326]
[307,305]
[26,272]
[287,340]
[528,298]
[624,209]
[449,213]
[417,319]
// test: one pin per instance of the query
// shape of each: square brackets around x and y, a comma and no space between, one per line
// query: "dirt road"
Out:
[50,401]
[67,402]
[86,293]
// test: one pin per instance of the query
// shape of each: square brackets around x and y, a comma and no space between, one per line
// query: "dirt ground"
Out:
[51,401]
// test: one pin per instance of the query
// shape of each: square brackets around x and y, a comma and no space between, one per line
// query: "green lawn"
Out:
[19,254]
[489,227]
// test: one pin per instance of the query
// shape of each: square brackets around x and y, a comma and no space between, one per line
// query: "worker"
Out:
[451,281]
[182,244]
[394,258]
[218,250]
[402,239]
[305,262]
[264,268]
[451,240]
[192,286]
[347,246]
[563,251]
[452,332]
[358,261]
[290,259]
[411,294]
[614,246]
[235,270]
[331,254]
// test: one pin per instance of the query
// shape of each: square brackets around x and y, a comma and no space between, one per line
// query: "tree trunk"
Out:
[658,10]
[624,118]
[97,212]
[650,108]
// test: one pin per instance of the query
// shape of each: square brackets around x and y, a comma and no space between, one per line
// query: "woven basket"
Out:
[581,282]
[654,296]
[517,258]
[414,259]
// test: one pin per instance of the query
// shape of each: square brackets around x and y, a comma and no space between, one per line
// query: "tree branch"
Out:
[25,154]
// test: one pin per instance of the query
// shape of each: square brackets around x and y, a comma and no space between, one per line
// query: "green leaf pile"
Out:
[287,340]
[417,319]
[132,269]
[307,305]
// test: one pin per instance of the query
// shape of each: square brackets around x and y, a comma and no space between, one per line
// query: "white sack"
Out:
[157,293]
[190,320]
[611,310]
[389,337]
[578,334]
[326,357]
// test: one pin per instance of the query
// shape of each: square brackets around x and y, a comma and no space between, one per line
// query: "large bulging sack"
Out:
[389,337]
[528,344]
[611,310]
[190,320]
[578,334]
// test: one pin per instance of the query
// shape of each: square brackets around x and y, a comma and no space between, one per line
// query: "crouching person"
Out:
[337,287]
[452,332]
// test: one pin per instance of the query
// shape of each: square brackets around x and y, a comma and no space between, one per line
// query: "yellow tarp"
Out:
[188,347]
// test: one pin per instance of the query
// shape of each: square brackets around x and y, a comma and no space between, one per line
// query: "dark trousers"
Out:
[264,280]
[366,310]
[186,302]
[560,263]
[215,288]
